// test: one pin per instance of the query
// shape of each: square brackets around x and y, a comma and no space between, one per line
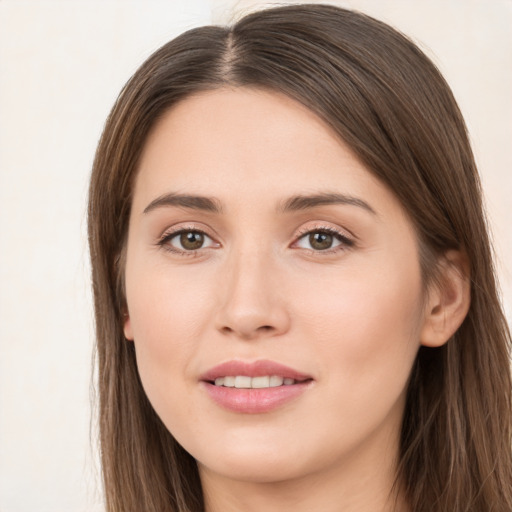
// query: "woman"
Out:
[295,300]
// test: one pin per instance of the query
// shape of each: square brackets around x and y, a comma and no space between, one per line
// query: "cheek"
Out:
[164,305]
[366,325]
[167,316]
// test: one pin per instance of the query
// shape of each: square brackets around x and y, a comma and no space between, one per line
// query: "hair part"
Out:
[391,106]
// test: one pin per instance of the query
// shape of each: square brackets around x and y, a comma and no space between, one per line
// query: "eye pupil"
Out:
[320,240]
[191,240]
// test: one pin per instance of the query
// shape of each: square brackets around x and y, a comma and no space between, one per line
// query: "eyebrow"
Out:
[295,203]
[305,202]
[207,204]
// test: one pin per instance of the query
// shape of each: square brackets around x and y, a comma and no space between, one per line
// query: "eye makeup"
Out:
[319,239]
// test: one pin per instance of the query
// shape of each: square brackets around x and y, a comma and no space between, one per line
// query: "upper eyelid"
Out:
[180,228]
[342,232]
[173,233]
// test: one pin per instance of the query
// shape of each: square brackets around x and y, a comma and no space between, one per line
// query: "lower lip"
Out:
[255,401]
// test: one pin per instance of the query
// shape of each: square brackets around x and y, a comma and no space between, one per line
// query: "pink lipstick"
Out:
[254,388]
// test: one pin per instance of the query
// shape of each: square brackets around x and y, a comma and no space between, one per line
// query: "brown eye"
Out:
[320,240]
[191,240]
[323,239]
[187,241]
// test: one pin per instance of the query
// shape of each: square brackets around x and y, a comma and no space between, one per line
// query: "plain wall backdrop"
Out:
[62,63]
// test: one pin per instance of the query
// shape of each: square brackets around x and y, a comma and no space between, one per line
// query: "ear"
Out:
[127,327]
[448,301]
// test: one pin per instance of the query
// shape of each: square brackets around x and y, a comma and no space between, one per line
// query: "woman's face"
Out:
[261,252]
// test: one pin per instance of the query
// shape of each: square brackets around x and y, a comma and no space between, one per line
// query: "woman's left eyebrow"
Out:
[305,202]
[208,204]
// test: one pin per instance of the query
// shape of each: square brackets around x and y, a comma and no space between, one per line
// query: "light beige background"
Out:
[62,64]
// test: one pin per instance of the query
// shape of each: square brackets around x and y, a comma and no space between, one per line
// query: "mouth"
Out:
[255,387]
[253,375]
[246,382]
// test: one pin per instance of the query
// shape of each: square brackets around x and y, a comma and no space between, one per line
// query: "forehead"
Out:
[240,144]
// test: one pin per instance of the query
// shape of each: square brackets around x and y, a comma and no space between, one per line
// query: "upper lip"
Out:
[258,368]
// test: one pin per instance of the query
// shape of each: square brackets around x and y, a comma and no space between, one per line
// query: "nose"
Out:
[253,303]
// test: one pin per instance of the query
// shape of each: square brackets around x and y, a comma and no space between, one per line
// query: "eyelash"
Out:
[166,238]
[345,242]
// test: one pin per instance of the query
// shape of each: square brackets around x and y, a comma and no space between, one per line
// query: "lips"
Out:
[256,387]
[259,368]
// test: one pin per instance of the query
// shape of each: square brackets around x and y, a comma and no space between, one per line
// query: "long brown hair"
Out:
[390,104]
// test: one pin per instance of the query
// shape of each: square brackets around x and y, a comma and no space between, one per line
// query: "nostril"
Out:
[248,333]
[251,321]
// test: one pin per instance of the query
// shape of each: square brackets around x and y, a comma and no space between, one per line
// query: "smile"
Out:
[246,382]
[254,387]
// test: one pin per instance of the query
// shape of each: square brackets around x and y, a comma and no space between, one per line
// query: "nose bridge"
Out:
[252,304]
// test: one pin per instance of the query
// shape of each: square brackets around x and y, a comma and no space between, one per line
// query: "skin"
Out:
[352,317]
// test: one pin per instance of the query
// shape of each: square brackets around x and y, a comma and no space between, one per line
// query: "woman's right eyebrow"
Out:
[207,204]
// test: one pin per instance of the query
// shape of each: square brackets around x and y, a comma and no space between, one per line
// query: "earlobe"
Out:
[127,327]
[448,300]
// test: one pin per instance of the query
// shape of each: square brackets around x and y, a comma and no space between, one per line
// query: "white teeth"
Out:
[245,382]
[260,382]
[229,382]
[241,381]
[275,381]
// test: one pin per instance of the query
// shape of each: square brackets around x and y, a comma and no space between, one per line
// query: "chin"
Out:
[253,455]
[259,469]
